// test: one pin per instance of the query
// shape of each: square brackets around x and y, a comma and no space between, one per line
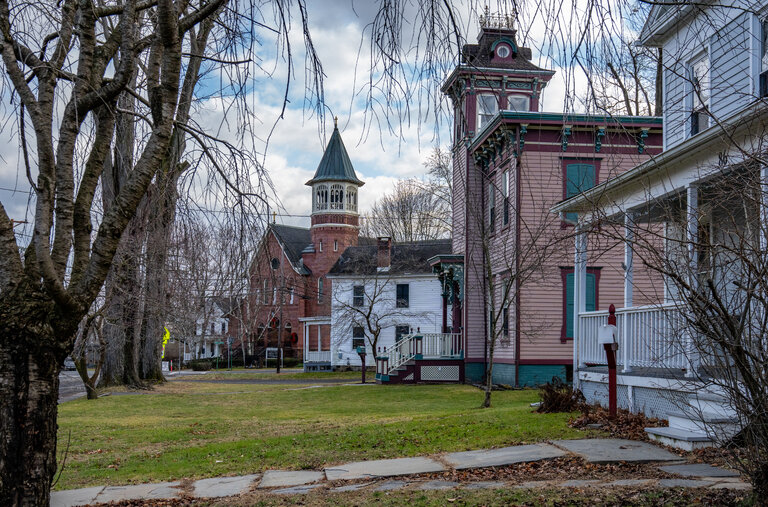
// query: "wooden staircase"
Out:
[417,358]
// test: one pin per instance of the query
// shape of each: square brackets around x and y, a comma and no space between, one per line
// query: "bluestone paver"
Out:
[699,470]
[139,491]
[383,468]
[683,483]
[390,485]
[534,484]
[503,456]
[484,485]
[72,497]
[283,478]
[222,486]
[296,490]
[579,483]
[628,482]
[738,486]
[351,487]
[613,450]
[437,485]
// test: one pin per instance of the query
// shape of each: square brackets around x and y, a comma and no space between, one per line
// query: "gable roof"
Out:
[293,240]
[406,258]
[335,164]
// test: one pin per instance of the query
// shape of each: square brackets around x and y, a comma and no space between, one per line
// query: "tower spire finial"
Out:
[335,122]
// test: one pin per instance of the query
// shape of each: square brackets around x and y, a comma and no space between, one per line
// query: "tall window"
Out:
[487,107]
[290,291]
[699,72]
[321,197]
[358,295]
[568,298]
[491,207]
[265,292]
[505,322]
[579,177]
[505,193]
[351,198]
[401,331]
[335,245]
[319,290]
[320,245]
[403,295]
[337,197]
[358,337]
[223,327]
[763,83]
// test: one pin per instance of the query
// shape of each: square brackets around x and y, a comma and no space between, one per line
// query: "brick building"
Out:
[290,297]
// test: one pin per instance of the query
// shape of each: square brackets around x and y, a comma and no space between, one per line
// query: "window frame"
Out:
[400,301]
[355,338]
[358,300]
[491,207]
[399,331]
[699,107]
[526,98]
[564,163]
[564,272]
[505,197]
[320,287]
[479,116]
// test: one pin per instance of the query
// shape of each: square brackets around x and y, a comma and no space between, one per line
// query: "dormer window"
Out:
[519,103]
[502,51]
[487,107]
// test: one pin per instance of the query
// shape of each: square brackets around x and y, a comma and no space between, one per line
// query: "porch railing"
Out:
[649,336]
[317,356]
[424,346]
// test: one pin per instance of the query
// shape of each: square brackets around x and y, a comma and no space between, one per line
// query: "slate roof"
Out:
[407,258]
[479,55]
[293,241]
[335,165]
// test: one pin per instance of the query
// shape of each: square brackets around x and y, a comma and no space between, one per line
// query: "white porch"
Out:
[317,359]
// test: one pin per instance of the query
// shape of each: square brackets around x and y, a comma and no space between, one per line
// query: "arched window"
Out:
[321,197]
[351,198]
[337,196]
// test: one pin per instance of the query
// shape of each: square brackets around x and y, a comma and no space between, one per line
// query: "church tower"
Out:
[335,219]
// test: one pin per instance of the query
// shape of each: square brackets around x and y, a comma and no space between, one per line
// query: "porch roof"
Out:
[632,188]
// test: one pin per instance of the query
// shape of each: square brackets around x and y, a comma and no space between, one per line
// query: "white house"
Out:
[386,286]
[211,330]
[698,213]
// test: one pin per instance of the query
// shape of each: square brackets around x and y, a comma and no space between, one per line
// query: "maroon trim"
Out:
[546,361]
[518,198]
[563,274]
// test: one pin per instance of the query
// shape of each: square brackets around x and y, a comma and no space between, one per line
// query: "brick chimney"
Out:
[384,253]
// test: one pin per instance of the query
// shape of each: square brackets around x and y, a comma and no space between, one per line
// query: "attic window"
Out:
[502,51]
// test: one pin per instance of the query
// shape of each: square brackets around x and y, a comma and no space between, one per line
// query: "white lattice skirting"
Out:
[440,373]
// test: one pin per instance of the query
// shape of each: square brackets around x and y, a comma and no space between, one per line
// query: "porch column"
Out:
[691,239]
[306,342]
[579,296]
[763,209]
[628,289]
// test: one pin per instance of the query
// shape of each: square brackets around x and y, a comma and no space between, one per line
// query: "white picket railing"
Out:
[427,345]
[317,356]
[649,336]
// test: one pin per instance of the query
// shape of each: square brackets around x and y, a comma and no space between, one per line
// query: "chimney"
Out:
[384,253]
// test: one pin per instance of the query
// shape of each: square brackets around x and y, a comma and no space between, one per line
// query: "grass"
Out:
[269,374]
[194,430]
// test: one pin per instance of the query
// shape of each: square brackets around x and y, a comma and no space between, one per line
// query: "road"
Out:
[70,386]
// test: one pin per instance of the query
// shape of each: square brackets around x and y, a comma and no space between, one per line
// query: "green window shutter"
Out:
[578,178]
[569,293]
[569,305]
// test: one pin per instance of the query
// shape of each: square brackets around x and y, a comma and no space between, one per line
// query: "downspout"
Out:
[483,237]
[518,183]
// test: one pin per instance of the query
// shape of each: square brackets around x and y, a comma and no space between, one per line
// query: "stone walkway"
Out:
[378,475]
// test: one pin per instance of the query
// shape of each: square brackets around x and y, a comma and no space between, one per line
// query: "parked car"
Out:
[69,364]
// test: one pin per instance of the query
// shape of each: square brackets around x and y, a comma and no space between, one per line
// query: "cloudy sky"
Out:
[296,141]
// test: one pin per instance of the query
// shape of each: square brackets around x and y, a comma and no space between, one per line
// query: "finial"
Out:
[274,217]
[335,122]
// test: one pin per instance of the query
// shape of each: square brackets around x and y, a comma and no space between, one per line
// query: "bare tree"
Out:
[413,211]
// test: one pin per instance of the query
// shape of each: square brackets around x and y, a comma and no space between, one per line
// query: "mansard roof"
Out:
[335,165]
[481,54]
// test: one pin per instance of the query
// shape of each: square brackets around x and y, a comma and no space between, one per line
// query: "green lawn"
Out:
[194,430]
[269,374]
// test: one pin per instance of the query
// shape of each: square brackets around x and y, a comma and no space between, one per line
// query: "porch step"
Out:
[714,424]
[711,403]
[679,438]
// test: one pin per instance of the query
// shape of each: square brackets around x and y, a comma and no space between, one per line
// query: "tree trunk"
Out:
[31,354]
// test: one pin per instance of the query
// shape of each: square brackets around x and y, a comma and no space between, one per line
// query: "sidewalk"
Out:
[378,474]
